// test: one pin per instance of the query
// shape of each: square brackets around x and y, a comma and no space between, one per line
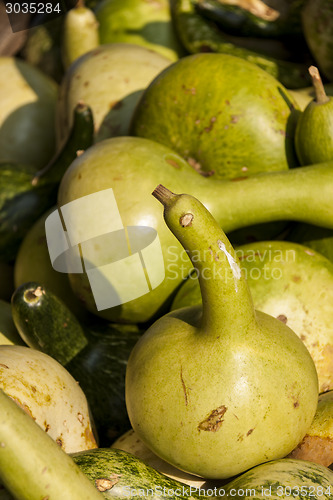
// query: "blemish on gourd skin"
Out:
[183,386]
[106,483]
[214,420]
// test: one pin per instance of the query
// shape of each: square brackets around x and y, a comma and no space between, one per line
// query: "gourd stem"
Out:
[317,83]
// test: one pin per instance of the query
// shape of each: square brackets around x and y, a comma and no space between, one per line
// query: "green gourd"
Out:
[33,263]
[271,196]
[32,465]
[314,130]
[317,24]
[147,24]
[217,390]
[120,475]
[27,111]
[292,283]
[198,35]
[240,19]
[26,194]
[77,20]
[225,116]
[110,80]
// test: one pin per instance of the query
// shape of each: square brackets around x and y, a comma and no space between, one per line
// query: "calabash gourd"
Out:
[314,129]
[218,390]
[293,283]
[271,197]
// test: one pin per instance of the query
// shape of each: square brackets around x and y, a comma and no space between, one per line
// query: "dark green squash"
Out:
[96,355]
[25,195]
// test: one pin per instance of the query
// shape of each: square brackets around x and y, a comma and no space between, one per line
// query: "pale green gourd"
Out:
[218,390]
[314,129]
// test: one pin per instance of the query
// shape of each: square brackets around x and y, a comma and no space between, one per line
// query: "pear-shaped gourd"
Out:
[314,130]
[110,79]
[293,283]
[49,394]
[225,116]
[27,113]
[217,391]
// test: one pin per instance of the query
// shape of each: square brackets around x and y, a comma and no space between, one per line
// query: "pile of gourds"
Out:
[166,252]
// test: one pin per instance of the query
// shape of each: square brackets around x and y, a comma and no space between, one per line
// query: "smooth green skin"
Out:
[147,24]
[317,23]
[32,465]
[282,479]
[8,333]
[199,35]
[239,20]
[27,113]
[133,167]
[314,133]
[25,194]
[219,392]
[33,263]
[290,282]
[110,79]
[221,113]
[77,20]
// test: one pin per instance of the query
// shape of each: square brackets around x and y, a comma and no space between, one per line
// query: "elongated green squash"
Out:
[95,355]
[118,474]
[32,465]
[25,195]
[283,479]
[198,35]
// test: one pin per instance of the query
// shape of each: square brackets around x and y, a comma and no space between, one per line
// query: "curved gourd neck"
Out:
[302,194]
[225,295]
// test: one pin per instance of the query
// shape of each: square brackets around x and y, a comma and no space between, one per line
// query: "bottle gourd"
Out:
[218,389]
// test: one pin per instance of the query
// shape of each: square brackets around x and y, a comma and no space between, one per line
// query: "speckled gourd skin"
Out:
[223,114]
[49,394]
[218,394]
[110,79]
